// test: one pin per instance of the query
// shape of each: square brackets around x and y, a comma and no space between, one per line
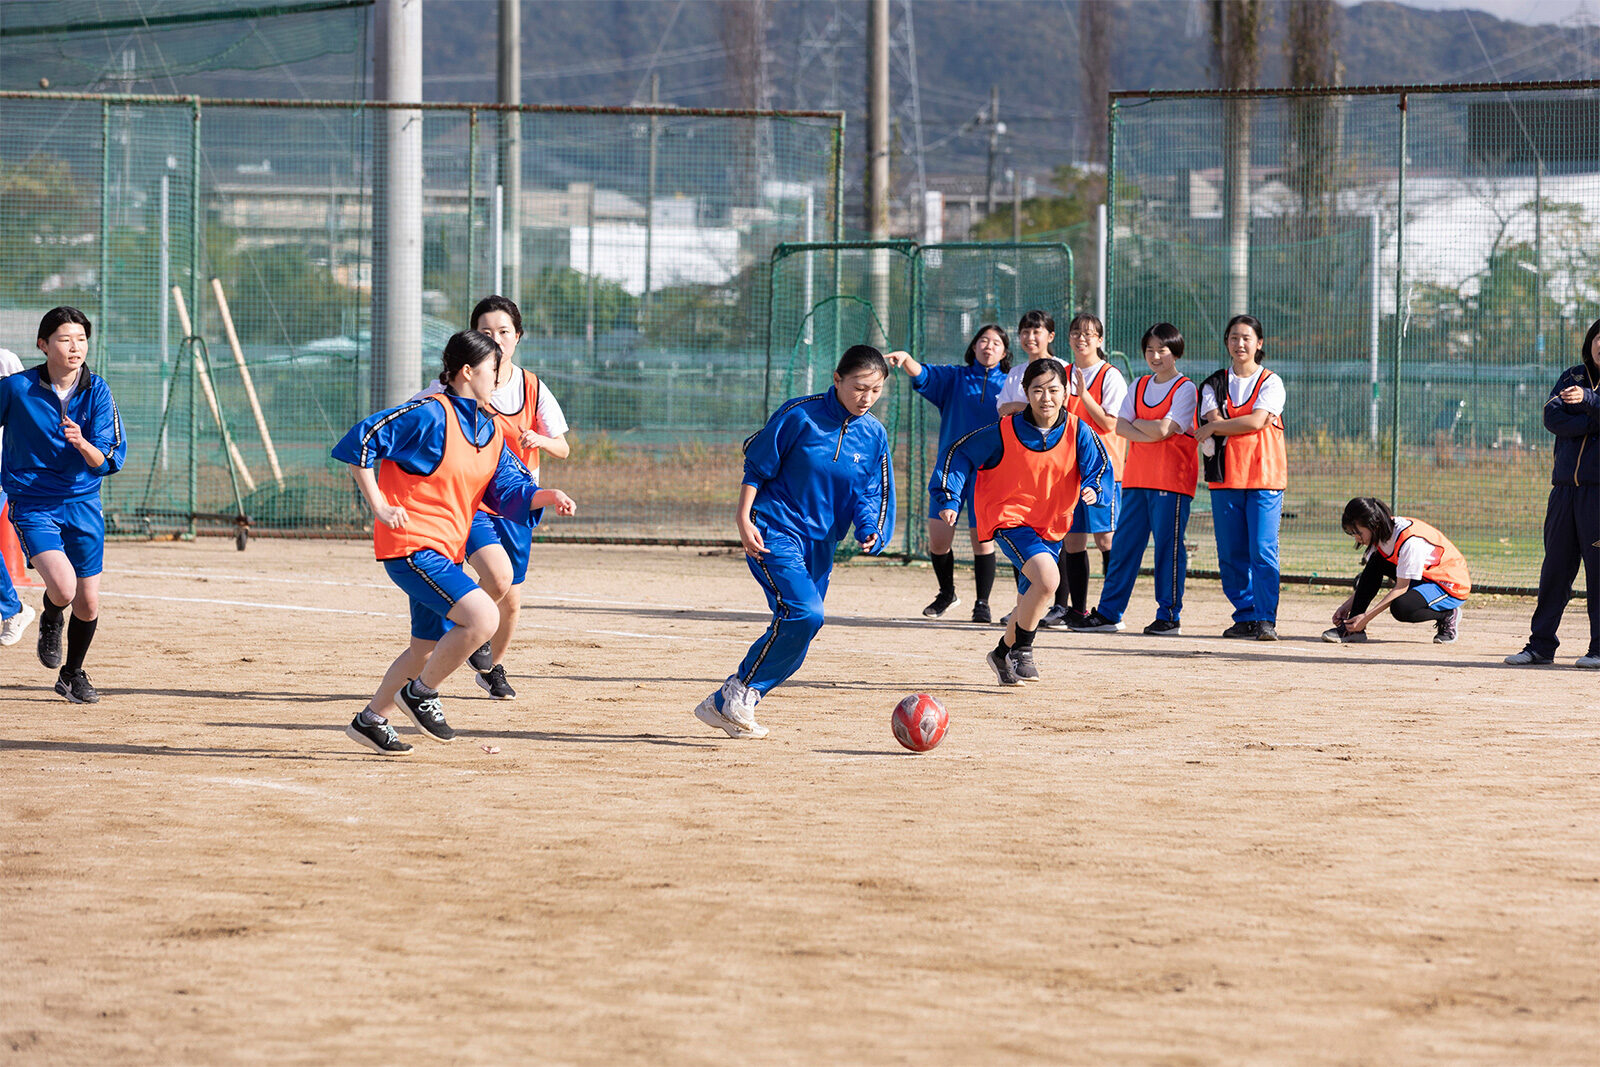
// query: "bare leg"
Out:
[1043,576]
[475,617]
[493,567]
[60,581]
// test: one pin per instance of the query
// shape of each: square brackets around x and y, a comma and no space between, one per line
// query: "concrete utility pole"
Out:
[510,163]
[397,233]
[878,154]
[995,130]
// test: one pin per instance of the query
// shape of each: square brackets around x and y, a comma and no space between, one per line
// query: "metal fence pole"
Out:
[194,302]
[1110,221]
[1399,305]
[105,225]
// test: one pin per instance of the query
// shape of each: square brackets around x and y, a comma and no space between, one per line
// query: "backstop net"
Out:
[1423,262]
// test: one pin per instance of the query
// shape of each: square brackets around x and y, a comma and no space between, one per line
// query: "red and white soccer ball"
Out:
[919,722]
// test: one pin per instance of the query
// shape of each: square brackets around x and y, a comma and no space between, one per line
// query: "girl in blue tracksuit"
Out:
[820,465]
[424,468]
[965,397]
[1028,472]
[63,434]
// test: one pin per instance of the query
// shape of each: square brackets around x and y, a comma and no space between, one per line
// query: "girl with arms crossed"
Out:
[63,435]
[1429,574]
[498,547]
[1158,481]
[965,397]
[819,466]
[1247,505]
[1028,472]
[424,468]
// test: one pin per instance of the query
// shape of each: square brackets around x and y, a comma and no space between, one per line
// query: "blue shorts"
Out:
[515,537]
[1022,543]
[1435,596]
[935,506]
[77,527]
[1101,516]
[434,585]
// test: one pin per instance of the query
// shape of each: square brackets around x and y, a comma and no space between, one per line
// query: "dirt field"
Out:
[1170,851]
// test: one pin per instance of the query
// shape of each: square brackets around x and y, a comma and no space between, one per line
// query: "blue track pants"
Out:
[1148,513]
[10,603]
[794,574]
[1246,524]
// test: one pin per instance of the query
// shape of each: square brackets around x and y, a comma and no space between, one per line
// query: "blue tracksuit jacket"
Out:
[965,397]
[412,436]
[37,466]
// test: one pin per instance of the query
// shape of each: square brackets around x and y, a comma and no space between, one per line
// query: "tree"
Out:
[1314,151]
[1236,27]
[555,304]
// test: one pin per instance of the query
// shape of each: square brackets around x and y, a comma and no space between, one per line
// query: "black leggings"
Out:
[1408,607]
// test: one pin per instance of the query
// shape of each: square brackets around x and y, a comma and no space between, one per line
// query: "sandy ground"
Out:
[1169,851]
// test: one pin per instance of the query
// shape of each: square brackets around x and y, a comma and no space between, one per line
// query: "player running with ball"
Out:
[423,468]
[1029,472]
[819,466]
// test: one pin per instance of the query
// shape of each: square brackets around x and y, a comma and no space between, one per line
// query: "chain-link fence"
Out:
[641,238]
[1425,264]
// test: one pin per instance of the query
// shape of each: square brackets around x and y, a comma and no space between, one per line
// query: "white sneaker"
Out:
[1588,662]
[736,720]
[12,628]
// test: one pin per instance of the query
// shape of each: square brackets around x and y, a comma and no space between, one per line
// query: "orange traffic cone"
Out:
[11,549]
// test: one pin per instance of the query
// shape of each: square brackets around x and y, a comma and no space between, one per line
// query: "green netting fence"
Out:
[645,237]
[1425,261]
[926,299]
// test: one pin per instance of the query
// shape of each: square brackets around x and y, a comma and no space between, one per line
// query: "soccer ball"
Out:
[919,722]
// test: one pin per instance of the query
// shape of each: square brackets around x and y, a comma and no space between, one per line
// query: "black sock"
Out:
[944,569]
[1024,639]
[52,610]
[1105,561]
[420,689]
[1075,568]
[1001,648]
[983,575]
[80,632]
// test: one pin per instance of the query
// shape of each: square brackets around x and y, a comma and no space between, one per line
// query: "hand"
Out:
[391,515]
[1572,394]
[1088,495]
[564,504]
[72,432]
[896,358]
[529,439]
[1202,433]
[1341,613]
[947,516]
[866,546]
[751,539]
[1356,623]
[1079,386]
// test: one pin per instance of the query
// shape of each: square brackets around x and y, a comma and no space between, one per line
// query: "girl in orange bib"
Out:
[1429,574]
[424,468]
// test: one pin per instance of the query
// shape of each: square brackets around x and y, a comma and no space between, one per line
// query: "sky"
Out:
[1532,12]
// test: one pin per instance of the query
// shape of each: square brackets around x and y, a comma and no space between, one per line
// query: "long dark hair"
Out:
[861,357]
[1005,341]
[467,349]
[1372,513]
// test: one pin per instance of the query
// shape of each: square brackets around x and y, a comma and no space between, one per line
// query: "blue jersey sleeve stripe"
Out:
[366,438]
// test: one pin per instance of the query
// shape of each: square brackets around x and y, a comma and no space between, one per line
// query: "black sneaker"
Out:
[981,613]
[1054,618]
[1004,672]
[494,683]
[74,685]
[426,712]
[1096,623]
[1164,628]
[50,639]
[1266,631]
[1022,663]
[379,737]
[941,604]
[1527,658]
[481,660]
[1246,630]
[1338,635]
[1075,617]
[1446,627]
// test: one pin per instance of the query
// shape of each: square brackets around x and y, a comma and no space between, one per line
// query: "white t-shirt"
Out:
[548,418]
[1112,393]
[1182,410]
[1271,399]
[1011,392]
[1414,554]
[9,364]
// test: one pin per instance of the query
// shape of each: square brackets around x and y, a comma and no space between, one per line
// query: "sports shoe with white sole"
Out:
[493,681]
[1004,672]
[1096,623]
[11,629]
[1589,661]
[1447,627]
[1526,658]
[1022,663]
[74,685]
[482,658]
[427,712]
[380,737]
[941,604]
[708,712]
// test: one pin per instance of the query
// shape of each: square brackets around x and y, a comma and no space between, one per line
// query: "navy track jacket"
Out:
[1577,429]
